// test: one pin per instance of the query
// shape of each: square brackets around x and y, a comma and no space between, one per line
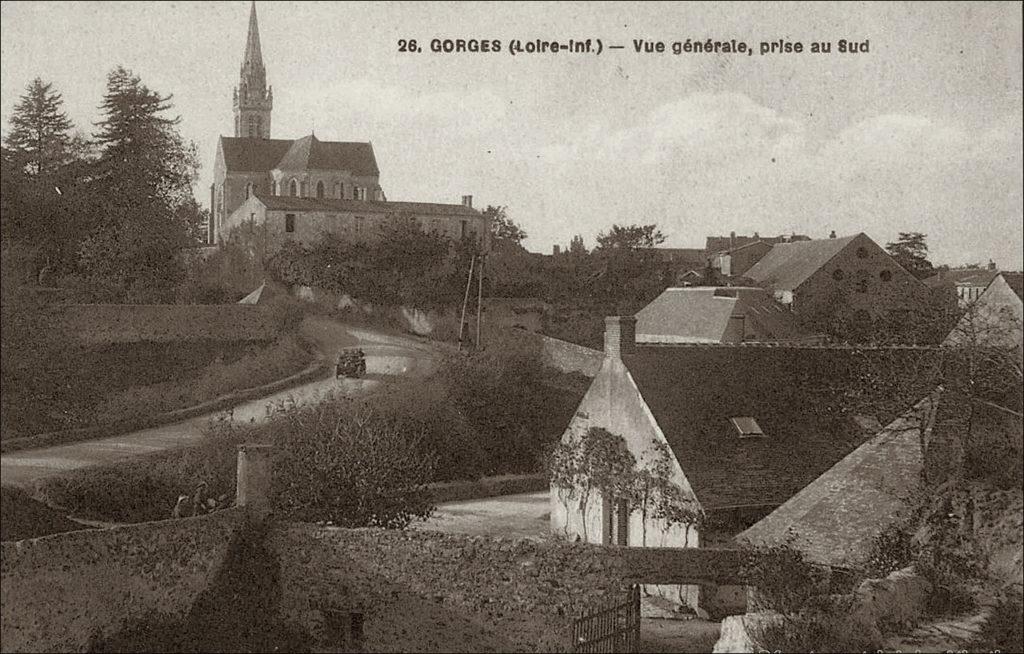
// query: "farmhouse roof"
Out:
[835,518]
[788,265]
[289,203]
[702,314]
[798,396]
[306,153]
[1015,281]
[962,277]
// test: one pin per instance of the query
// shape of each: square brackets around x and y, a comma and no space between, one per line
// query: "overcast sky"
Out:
[922,133]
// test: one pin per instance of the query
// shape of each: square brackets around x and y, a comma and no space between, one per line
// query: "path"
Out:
[386,355]
[526,514]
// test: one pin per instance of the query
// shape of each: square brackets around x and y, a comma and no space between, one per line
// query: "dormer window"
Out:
[747,427]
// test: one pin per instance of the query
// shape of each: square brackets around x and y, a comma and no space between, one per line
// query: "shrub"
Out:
[345,463]
[783,579]
[1003,631]
[892,549]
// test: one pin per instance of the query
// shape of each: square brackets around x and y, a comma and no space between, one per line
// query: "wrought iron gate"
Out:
[615,628]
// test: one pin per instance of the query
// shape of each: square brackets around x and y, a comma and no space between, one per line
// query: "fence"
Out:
[612,629]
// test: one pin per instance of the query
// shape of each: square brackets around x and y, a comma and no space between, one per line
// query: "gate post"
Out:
[254,478]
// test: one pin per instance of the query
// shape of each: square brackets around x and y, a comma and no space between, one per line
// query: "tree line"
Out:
[108,212]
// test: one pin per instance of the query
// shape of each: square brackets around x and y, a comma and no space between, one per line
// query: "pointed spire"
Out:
[253,54]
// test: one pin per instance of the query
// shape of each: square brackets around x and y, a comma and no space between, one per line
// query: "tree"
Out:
[911,251]
[631,237]
[576,246]
[142,188]
[40,140]
[502,227]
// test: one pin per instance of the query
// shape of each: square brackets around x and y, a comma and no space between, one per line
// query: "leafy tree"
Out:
[911,251]
[576,246]
[502,227]
[630,237]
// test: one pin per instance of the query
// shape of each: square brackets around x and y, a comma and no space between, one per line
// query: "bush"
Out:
[1003,631]
[892,549]
[783,579]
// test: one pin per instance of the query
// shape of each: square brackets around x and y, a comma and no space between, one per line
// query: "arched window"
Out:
[273,187]
[259,126]
[320,190]
[337,190]
[252,126]
[293,188]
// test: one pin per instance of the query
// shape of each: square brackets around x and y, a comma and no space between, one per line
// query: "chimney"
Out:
[732,240]
[756,236]
[619,335]
[556,250]
[467,201]
[832,234]
[991,265]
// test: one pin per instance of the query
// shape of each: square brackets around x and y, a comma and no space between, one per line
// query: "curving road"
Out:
[386,355]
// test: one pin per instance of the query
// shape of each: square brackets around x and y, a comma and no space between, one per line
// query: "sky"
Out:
[920,133]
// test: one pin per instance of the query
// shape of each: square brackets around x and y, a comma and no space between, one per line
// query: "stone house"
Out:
[708,314]
[967,284]
[840,281]
[747,426]
[266,222]
[996,317]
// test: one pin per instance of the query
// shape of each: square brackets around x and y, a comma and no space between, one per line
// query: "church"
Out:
[300,188]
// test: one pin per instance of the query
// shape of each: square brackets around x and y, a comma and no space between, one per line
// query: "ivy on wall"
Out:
[597,464]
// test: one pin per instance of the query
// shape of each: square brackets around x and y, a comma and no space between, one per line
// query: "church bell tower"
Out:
[253,100]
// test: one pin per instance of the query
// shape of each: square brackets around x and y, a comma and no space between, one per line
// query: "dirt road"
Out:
[386,355]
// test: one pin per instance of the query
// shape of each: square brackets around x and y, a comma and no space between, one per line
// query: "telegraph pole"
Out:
[465,301]
[480,298]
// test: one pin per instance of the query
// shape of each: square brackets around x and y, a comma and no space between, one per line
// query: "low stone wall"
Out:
[96,324]
[569,357]
[60,591]
[427,591]
[456,491]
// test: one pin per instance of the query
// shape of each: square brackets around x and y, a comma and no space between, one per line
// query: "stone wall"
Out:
[98,324]
[426,591]
[60,591]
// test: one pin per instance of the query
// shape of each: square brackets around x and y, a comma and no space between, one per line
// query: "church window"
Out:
[289,222]
[304,189]
[252,126]
[359,193]
[337,190]
[320,190]
[259,126]
[293,188]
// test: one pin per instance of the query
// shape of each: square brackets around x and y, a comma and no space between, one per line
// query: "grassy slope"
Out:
[22,517]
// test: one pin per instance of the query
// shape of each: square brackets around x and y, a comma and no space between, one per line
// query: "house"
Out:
[728,314]
[266,222]
[716,244]
[967,284]
[737,261]
[840,285]
[833,520]
[746,427]
[683,266]
[995,318]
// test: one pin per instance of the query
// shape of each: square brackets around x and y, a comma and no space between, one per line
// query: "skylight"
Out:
[747,427]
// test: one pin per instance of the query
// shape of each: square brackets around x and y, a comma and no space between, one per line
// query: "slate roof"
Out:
[835,518]
[306,153]
[691,257]
[797,395]
[289,203]
[702,314]
[788,265]
[962,276]
[714,244]
[1015,281]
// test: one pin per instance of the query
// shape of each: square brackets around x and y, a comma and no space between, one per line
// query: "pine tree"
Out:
[40,140]
[144,164]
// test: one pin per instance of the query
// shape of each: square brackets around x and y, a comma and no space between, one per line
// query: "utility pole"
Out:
[480,298]
[465,301]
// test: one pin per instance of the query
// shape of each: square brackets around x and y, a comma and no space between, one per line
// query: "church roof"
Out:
[788,265]
[306,153]
[289,203]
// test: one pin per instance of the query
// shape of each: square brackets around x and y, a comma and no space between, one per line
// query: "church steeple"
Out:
[253,100]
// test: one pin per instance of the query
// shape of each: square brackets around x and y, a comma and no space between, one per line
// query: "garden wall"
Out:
[569,357]
[58,592]
[96,324]
[425,591]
